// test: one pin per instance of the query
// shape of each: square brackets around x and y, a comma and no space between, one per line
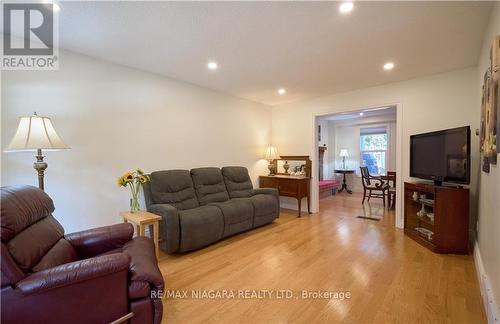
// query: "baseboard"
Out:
[490,305]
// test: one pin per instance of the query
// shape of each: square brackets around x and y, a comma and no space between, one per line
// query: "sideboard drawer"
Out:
[288,188]
[268,183]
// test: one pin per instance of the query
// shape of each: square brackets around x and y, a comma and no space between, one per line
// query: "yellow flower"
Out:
[128,176]
[121,182]
[140,172]
[143,179]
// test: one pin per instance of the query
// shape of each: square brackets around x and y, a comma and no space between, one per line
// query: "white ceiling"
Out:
[388,113]
[306,47]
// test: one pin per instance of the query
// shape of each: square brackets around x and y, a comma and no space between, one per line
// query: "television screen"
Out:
[442,156]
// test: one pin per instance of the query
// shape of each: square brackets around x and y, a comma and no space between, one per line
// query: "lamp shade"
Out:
[271,153]
[35,132]
[343,153]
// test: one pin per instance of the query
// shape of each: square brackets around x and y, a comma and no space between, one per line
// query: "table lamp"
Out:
[343,154]
[36,133]
[271,155]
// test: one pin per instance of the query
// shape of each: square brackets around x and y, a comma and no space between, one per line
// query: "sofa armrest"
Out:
[266,191]
[73,273]
[169,226]
[95,241]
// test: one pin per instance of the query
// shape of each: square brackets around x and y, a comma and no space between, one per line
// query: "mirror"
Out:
[294,166]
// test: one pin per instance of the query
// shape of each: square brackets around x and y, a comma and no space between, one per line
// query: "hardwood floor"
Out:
[391,278]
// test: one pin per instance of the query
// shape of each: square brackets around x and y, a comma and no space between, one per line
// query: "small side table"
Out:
[344,183]
[142,219]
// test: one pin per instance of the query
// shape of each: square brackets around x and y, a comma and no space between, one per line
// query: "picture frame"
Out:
[490,109]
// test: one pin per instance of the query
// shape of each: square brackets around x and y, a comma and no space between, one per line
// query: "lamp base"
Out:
[270,166]
[40,167]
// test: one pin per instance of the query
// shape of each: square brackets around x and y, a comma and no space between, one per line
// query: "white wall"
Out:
[488,239]
[436,102]
[116,119]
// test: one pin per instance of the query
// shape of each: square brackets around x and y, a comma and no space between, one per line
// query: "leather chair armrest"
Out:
[87,291]
[266,191]
[169,226]
[143,263]
[95,241]
[72,273]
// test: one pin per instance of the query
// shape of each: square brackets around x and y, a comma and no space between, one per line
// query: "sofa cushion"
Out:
[266,209]
[238,215]
[21,207]
[62,252]
[33,243]
[173,187]
[237,180]
[200,226]
[209,185]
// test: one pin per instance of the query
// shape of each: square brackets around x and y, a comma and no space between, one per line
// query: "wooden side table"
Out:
[344,183]
[142,219]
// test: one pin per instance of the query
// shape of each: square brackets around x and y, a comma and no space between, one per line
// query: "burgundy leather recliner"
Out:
[94,276]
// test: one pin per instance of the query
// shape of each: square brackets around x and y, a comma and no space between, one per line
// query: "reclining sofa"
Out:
[205,205]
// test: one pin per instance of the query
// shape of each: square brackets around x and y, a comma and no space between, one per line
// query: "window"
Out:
[373,147]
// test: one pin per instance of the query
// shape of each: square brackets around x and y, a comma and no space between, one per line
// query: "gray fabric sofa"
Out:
[205,205]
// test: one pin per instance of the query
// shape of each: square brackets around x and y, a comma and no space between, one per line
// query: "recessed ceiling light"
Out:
[281,91]
[212,65]
[388,66]
[361,113]
[346,7]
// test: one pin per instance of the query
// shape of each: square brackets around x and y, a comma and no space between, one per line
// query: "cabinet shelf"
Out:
[426,220]
[449,221]
[426,202]
[420,239]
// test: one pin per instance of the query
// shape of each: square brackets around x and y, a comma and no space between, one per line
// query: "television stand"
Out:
[437,217]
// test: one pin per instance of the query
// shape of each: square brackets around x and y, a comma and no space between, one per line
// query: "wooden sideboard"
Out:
[289,186]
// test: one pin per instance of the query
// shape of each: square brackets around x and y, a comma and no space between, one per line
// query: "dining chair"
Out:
[373,185]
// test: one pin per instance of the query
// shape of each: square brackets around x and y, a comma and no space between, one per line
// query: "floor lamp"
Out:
[35,133]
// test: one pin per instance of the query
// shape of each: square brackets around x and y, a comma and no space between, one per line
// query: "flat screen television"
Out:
[442,156]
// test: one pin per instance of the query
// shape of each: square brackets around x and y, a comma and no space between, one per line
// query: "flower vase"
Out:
[134,205]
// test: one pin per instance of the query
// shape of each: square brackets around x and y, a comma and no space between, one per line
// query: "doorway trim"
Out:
[399,219]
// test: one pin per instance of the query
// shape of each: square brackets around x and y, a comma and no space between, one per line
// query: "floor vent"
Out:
[370,218]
